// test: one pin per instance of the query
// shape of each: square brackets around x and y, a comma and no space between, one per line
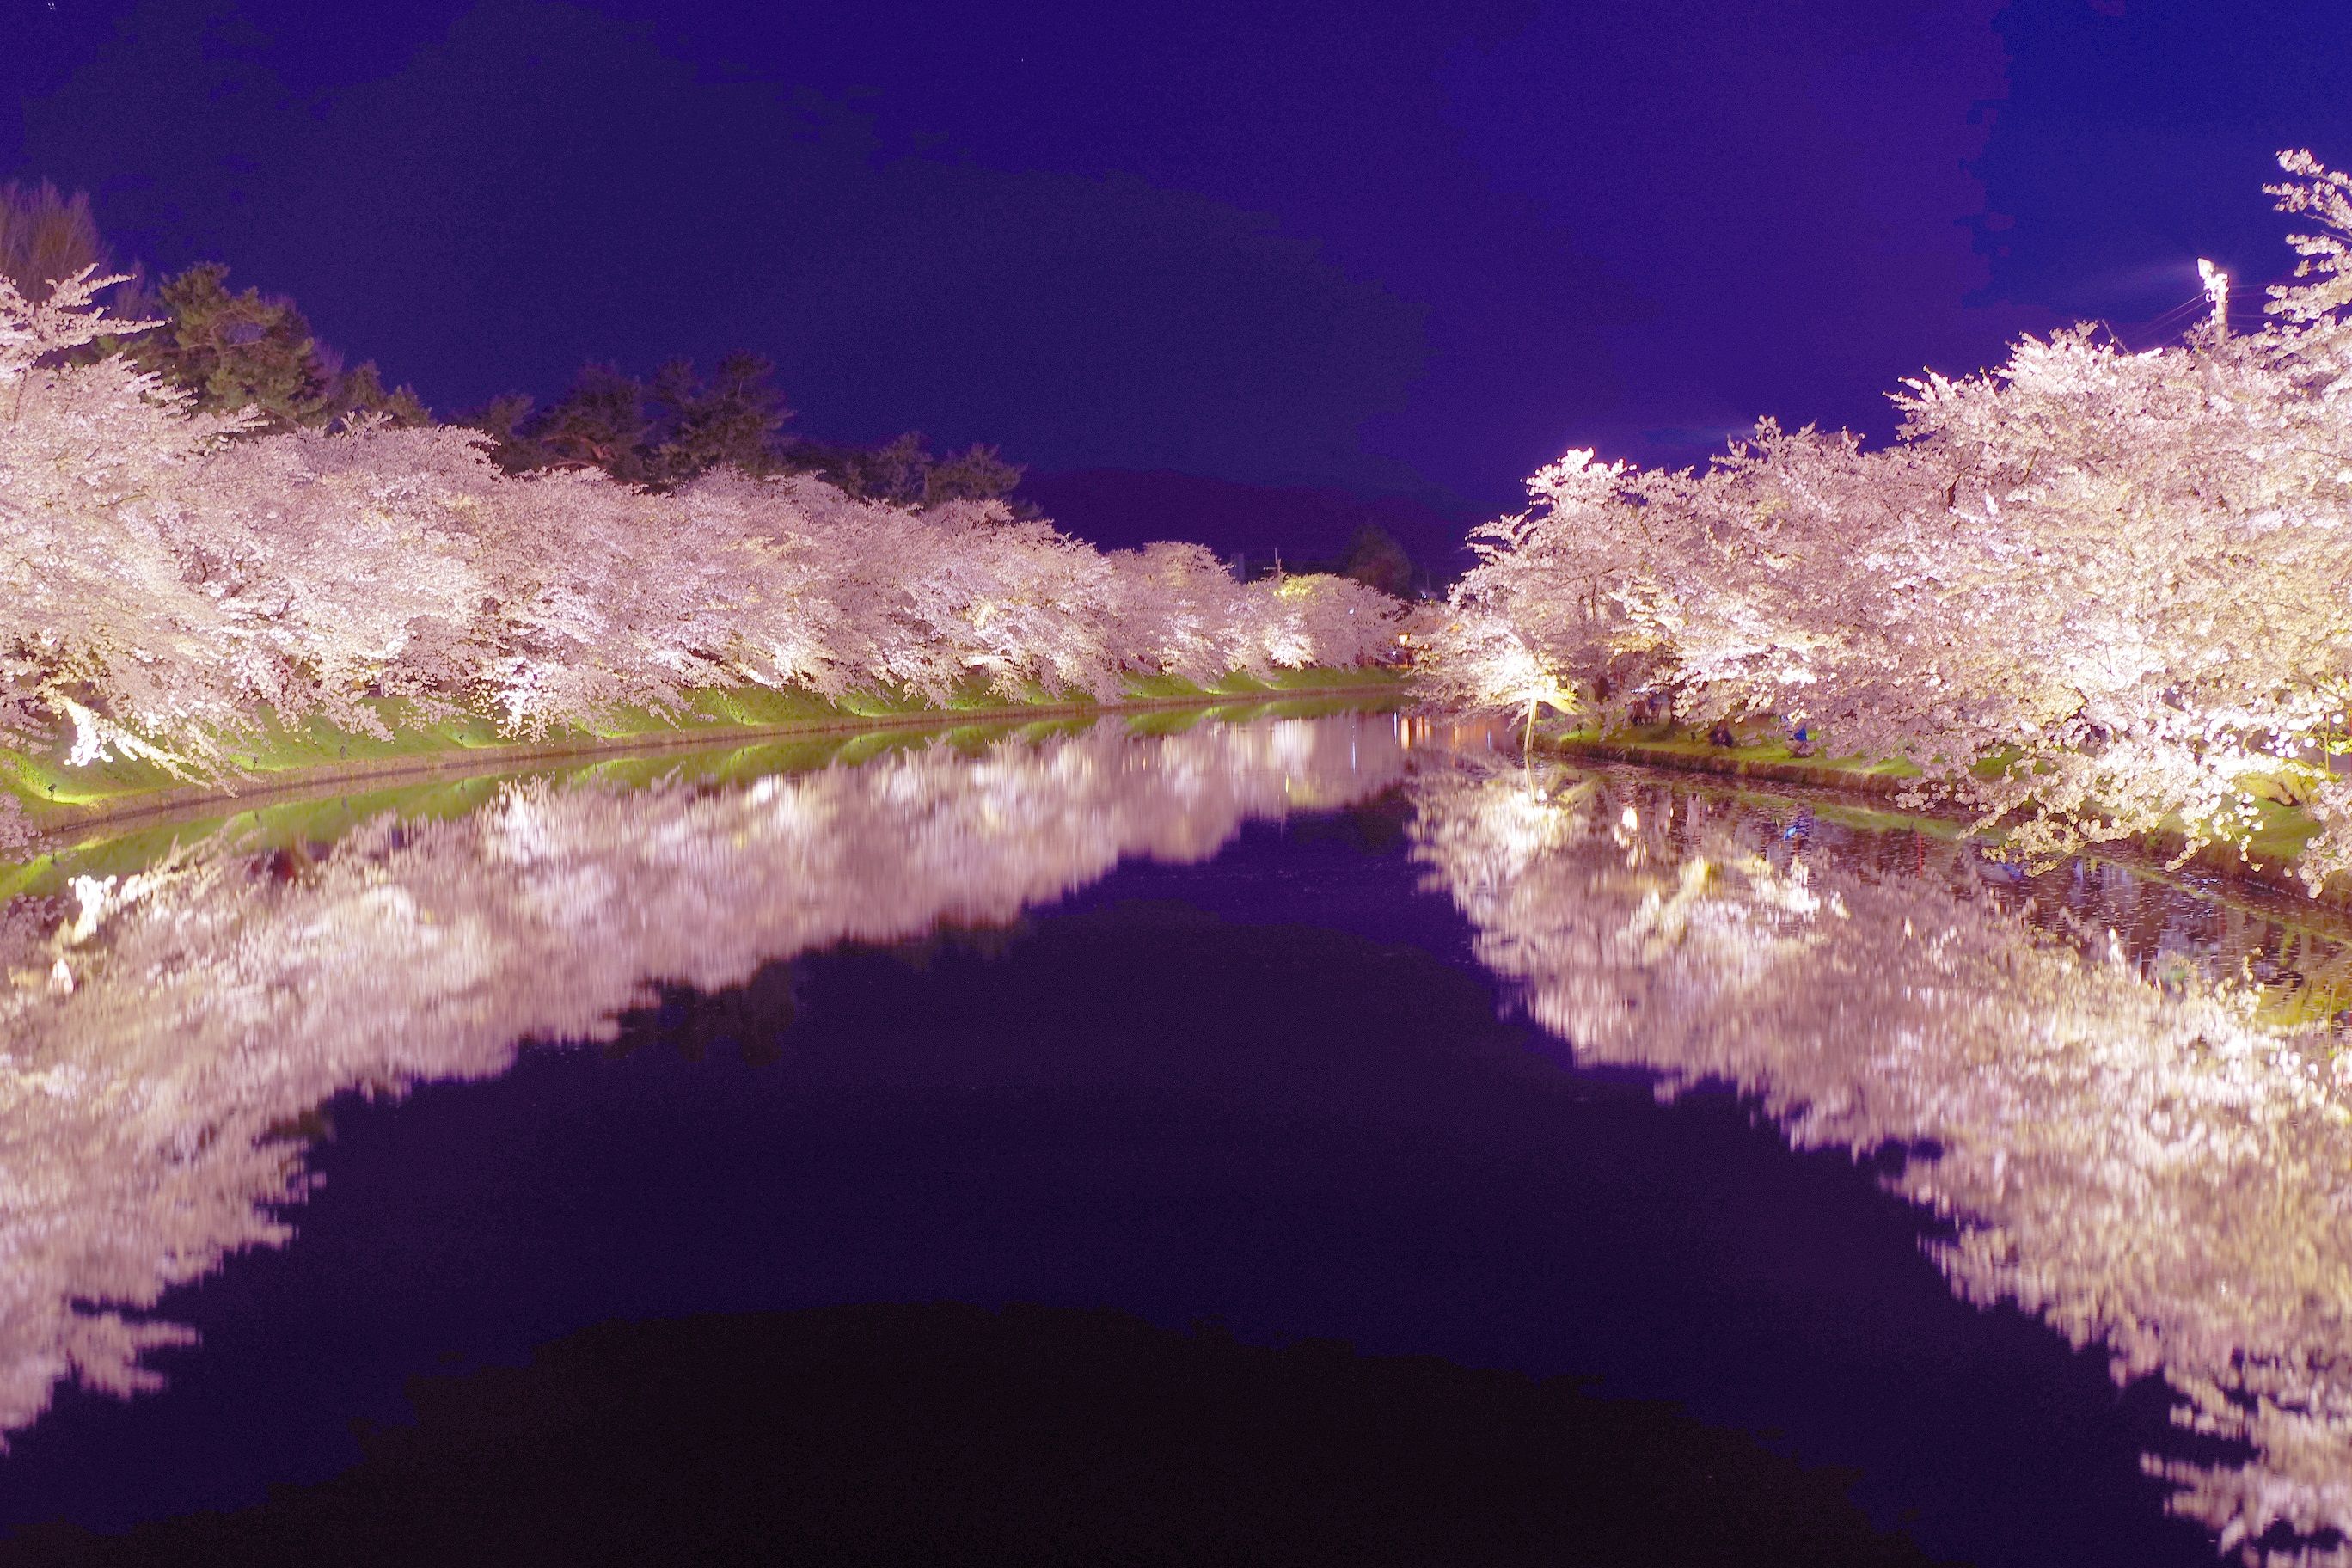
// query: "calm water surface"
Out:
[2025,1201]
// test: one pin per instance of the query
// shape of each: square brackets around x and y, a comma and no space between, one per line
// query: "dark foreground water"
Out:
[1294,1141]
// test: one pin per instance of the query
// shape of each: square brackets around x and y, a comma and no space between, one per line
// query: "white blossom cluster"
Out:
[2159,1161]
[159,582]
[160,1031]
[2090,594]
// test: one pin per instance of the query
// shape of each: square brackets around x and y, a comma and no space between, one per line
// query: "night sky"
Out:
[1158,254]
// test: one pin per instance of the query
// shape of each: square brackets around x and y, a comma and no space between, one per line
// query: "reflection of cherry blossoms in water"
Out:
[161,1031]
[2143,1154]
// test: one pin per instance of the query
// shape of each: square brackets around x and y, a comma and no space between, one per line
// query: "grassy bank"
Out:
[2280,832]
[299,813]
[273,759]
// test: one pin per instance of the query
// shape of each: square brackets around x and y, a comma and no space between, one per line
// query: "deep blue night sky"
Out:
[1412,251]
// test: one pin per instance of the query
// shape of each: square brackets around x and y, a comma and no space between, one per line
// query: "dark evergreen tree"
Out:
[904,472]
[360,389]
[1375,559]
[232,351]
[602,423]
[236,351]
[682,424]
[503,419]
[976,473]
[730,421]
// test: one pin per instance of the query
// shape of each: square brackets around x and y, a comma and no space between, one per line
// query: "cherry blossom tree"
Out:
[163,588]
[2089,594]
[100,625]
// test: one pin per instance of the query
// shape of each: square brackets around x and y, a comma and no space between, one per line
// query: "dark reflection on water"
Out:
[946,1434]
[1262,1081]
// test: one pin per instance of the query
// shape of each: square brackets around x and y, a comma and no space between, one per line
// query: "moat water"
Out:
[993,1130]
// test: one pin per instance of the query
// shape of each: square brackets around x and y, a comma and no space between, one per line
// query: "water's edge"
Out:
[284,785]
[2152,854]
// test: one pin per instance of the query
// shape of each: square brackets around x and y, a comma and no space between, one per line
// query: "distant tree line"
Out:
[169,575]
[226,350]
[230,350]
[661,433]
[1372,557]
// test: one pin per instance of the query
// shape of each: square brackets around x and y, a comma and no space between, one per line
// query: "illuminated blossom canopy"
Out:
[161,583]
[2123,580]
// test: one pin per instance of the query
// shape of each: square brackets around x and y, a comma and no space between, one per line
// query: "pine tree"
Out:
[1375,559]
[904,471]
[236,351]
[232,351]
[730,421]
[682,426]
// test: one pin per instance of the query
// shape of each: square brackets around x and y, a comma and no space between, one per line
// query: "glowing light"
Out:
[2216,291]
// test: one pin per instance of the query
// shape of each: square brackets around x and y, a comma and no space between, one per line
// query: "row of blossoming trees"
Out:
[2121,580]
[160,580]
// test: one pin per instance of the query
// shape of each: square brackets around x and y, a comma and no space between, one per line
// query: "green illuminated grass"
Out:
[725,736]
[2280,833]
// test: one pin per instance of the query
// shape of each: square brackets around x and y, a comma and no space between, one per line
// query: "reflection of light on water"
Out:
[2144,1134]
[223,994]
[2149,1153]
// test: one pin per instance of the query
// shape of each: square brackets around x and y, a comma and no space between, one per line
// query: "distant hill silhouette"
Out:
[1118,508]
